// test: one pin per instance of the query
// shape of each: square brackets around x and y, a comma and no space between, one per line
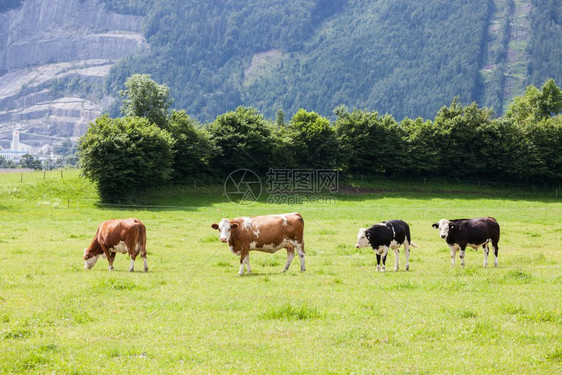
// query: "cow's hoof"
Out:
[396,269]
[111,268]
[303,269]
[240,274]
[145,269]
[131,270]
[407,268]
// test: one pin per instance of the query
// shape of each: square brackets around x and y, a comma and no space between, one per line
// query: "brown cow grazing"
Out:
[268,233]
[117,236]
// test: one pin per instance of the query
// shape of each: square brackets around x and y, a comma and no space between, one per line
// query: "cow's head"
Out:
[362,240]
[443,225]
[90,259]
[225,228]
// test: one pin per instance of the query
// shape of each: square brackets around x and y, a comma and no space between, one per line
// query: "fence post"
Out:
[61,176]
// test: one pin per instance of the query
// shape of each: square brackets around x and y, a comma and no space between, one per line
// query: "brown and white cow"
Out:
[117,236]
[268,234]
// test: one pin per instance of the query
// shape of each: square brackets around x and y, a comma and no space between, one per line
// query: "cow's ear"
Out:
[233,226]
[435,225]
[215,226]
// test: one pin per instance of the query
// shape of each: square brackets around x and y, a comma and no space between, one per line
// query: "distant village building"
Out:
[17,149]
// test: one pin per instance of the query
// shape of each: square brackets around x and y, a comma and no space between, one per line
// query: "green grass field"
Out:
[192,313]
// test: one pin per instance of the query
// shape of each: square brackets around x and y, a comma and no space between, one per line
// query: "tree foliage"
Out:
[129,154]
[370,144]
[145,98]
[193,148]
[243,139]
[125,155]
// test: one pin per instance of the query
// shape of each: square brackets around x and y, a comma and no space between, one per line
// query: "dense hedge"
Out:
[462,142]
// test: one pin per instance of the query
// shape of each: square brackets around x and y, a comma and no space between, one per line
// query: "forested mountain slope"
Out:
[404,57]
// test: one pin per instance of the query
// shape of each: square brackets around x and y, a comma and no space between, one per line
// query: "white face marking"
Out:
[119,248]
[444,228]
[224,230]
[362,240]
[89,263]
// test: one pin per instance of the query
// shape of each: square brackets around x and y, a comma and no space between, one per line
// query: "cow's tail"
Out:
[413,244]
[142,240]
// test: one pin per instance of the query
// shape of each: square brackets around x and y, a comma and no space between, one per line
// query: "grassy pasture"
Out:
[191,313]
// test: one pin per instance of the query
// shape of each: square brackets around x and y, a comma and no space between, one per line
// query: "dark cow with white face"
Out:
[460,233]
[387,235]
[268,233]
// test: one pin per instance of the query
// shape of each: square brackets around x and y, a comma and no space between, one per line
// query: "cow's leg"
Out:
[145,264]
[396,260]
[453,254]
[384,254]
[496,250]
[133,258]
[290,256]
[300,250]
[461,255]
[247,261]
[107,255]
[110,259]
[378,262]
[407,253]
[143,256]
[486,252]
[243,255]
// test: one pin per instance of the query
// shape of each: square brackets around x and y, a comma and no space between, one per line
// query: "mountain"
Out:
[54,58]
[63,62]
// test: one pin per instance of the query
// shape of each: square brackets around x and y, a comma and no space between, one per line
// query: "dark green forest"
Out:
[401,57]
[6,5]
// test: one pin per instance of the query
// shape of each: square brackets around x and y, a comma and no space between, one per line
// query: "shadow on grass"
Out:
[190,198]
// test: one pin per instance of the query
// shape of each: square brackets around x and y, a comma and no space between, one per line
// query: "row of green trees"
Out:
[152,146]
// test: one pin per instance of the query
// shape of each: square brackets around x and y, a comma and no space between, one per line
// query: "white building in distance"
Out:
[17,149]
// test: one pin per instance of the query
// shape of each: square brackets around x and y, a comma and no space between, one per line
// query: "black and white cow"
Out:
[461,233]
[387,235]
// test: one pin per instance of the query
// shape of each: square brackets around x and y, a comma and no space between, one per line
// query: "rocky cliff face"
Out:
[49,51]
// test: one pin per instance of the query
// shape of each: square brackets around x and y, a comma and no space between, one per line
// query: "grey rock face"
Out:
[46,42]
